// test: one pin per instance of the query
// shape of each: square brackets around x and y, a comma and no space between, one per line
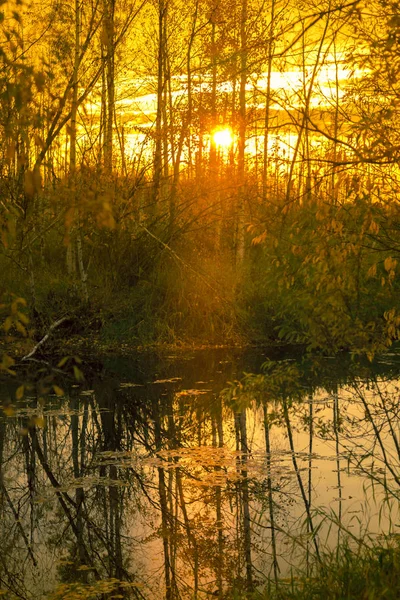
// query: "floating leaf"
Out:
[171,380]
[193,392]
[130,385]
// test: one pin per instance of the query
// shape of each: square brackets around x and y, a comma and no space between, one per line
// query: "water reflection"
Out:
[158,478]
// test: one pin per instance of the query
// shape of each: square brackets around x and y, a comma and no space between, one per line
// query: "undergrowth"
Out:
[343,574]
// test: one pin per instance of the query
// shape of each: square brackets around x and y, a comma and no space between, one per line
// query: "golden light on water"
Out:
[223,138]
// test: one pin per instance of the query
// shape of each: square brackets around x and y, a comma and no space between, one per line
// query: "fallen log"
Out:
[44,339]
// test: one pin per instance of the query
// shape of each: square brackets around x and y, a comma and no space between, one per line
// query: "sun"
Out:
[223,138]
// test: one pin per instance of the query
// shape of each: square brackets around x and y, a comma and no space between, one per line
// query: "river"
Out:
[176,475]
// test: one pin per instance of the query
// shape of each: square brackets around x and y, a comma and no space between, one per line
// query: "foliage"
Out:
[119,225]
[85,591]
[333,269]
[279,380]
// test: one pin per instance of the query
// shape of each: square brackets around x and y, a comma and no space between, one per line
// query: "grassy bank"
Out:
[316,274]
[348,573]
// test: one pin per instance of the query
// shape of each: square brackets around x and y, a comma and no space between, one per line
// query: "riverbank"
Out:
[358,573]
[351,572]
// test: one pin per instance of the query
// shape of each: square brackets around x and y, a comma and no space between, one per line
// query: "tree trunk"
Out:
[79,494]
[108,43]
[270,493]
[268,97]
[158,154]
[75,234]
[240,234]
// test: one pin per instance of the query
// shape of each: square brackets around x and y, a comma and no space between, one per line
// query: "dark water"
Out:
[149,479]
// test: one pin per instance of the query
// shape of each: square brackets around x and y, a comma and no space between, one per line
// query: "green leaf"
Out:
[78,373]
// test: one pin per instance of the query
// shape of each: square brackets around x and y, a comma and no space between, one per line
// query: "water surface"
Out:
[159,477]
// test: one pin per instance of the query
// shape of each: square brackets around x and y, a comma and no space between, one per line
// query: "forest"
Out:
[199,299]
[201,173]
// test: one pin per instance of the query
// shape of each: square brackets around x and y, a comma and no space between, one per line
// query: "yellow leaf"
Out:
[259,239]
[390,263]
[59,391]
[21,328]
[63,361]
[8,411]
[374,227]
[23,318]
[39,422]
[20,392]
[6,362]
[8,324]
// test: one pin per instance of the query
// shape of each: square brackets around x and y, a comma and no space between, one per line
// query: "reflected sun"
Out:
[223,138]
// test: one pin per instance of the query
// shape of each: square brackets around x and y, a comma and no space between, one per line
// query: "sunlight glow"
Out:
[223,138]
